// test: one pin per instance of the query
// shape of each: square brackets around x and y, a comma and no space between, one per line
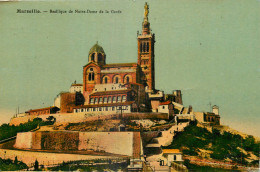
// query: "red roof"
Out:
[171,151]
[76,84]
[120,65]
[101,93]
[104,105]
[166,103]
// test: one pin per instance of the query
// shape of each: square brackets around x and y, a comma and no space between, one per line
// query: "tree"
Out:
[16,160]
[36,165]
[249,143]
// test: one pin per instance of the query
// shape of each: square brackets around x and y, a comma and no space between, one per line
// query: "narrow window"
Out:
[100,100]
[127,79]
[109,99]
[141,47]
[116,80]
[96,100]
[100,57]
[144,47]
[123,98]
[114,99]
[147,47]
[89,76]
[105,80]
[93,57]
[105,99]
[118,98]
[93,76]
[91,101]
[175,158]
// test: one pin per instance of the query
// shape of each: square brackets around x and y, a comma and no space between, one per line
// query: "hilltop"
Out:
[219,145]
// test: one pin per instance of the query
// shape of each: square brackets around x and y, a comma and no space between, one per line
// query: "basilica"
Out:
[120,89]
[108,85]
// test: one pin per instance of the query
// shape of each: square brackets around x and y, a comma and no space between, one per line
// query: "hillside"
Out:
[217,145]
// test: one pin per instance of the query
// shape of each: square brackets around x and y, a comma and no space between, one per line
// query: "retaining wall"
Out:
[81,117]
[121,143]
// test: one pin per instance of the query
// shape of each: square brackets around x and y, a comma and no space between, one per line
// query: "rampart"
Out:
[81,117]
[121,143]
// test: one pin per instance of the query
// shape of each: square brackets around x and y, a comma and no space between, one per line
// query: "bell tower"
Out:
[146,42]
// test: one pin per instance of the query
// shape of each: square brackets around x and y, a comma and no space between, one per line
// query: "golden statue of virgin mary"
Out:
[146,10]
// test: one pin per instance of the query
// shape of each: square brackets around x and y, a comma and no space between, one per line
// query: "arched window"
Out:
[144,47]
[93,57]
[109,99]
[147,47]
[114,99]
[127,79]
[100,57]
[123,98]
[116,79]
[91,75]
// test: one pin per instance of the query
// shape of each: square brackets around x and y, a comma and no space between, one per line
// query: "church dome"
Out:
[96,49]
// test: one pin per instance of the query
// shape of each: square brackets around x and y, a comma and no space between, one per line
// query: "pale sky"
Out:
[208,49]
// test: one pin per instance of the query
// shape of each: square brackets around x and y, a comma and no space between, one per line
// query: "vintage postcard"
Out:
[129,85]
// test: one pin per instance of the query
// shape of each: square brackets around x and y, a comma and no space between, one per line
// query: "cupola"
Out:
[96,54]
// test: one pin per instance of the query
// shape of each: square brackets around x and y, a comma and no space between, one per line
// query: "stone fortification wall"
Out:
[122,143]
[47,158]
[37,140]
[147,115]
[111,142]
[24,140]
[81,117]
[59,140]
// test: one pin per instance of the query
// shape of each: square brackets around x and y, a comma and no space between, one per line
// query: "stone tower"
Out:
[146,42]
[215,109]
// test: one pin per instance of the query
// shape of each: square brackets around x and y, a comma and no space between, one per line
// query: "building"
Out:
[43,111]
[166,107]
[172,155]
[176,96]
[207,118]
[215,109]
[99,77]
[76,88]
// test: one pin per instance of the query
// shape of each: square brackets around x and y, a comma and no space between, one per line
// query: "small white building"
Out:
[166,107]
[172,155]
[76,88]
[215,109]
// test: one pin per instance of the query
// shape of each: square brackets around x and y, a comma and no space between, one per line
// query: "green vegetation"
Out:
[193,167]
[10,165]
[7,131]
[223,146]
